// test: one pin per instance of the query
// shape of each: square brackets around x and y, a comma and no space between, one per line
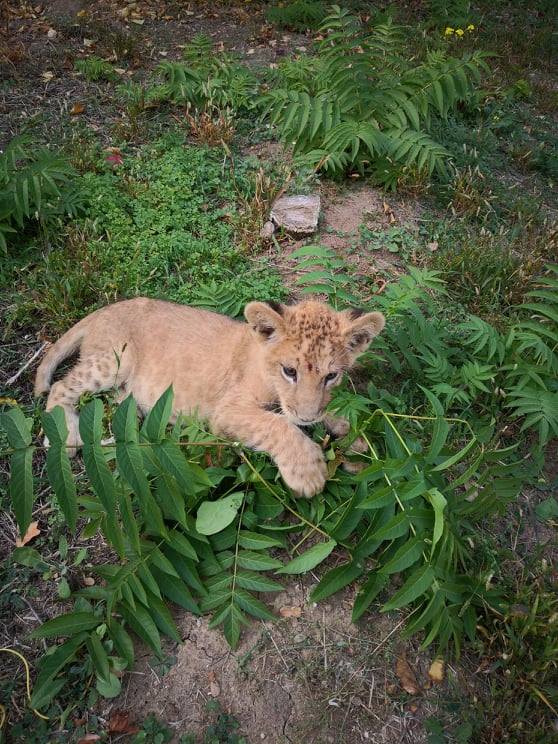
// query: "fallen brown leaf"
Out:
[32,531]
[437,670]
[406,676]
[77,108]
[290,611]
[88,738]
[214,686]
[120,723]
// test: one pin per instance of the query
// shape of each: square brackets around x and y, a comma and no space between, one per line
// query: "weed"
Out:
[366,108]
[35,187]
[210,127]
[167,216]
[393,240]
[94,69]
[297,15]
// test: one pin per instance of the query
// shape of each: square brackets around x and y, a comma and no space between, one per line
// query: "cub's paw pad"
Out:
[359,445]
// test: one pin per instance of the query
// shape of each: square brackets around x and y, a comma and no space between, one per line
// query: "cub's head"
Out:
[305,350]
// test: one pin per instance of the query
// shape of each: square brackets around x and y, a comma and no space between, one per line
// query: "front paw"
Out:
[304,470]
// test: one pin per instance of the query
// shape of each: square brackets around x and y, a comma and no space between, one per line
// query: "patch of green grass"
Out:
[160,222]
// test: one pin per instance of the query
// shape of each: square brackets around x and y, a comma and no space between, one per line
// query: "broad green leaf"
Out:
[176,590]
[163,619]
[110,688]
[439,503]
[181,544]
[67,625]
[123,644]
[255,561]
[130,464]
[214,516]
[417,584]
[454,459]
[231,626]
[547,509]
[91,422]
[48,692]
[125,421]
[367,594]
[379,498]
[156,421]
[29,557]
[98,656]
[405,556]
[173,461]
[396,527]
[256,541]
[257,582]
[160,561]
[187,570]
[146,577]
[21,487]
[60,476]
[141,622]
[336,579]
[310,559]
[100,475]
[17,428]
[170,498]
[54,425]
[50,665]
[252,605]
[129,521]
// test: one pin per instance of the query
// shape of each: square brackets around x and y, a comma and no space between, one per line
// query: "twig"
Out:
[277,648]
[21,370]
[324,639]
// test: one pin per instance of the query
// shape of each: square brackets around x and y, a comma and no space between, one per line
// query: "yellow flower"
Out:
[459,32]
[470,27]
[449,31]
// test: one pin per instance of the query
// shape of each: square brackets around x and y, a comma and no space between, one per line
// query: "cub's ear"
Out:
[361,329]
[265,318]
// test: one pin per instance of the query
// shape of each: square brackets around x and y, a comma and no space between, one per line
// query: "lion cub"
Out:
[231,373]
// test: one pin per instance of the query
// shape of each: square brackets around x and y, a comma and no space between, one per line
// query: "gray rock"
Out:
[297,214]
[267,230]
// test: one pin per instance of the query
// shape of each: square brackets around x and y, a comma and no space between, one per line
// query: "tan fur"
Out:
[230,373]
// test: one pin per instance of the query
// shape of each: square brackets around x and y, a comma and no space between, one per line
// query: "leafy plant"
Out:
[35,185]
[205,537]
[208,80]
[94,69]
[477,371]
[298,15]
[368,107]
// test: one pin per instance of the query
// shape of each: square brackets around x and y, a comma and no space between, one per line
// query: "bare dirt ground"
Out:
[311,678]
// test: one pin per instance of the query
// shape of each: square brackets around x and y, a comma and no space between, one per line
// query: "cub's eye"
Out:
[331,377]
[290,372]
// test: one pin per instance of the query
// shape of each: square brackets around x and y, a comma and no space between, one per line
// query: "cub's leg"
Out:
[93,373]
[300,460]
[339,427]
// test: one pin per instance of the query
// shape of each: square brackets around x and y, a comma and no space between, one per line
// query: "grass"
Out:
[176,214]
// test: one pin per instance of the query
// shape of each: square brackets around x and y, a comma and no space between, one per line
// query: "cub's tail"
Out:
[63,348]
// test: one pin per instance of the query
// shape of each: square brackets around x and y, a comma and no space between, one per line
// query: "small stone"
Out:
[89,581]
[299,638]
[267,230]
[297,214]
[52,33]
